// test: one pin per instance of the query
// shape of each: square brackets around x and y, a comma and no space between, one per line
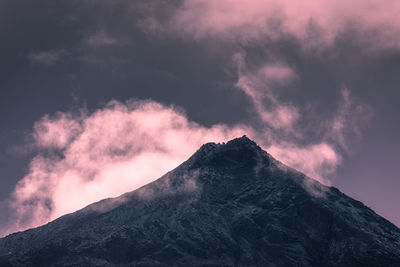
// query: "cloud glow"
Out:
[312,23]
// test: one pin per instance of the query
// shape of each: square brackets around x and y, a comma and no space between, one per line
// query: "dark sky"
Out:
[66,55]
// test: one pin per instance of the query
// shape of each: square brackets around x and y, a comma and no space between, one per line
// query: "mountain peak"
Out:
[242,141]
[237,153]
[228,205]
[239,142]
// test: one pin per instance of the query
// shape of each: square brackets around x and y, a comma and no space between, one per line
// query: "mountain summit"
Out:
[229,204]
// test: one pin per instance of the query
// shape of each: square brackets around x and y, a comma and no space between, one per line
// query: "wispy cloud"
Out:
[258,85]
[279,128]
[351,115]
[48,58]
[312,23]
[101,38]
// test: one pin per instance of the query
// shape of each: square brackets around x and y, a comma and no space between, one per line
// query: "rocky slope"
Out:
[228,205]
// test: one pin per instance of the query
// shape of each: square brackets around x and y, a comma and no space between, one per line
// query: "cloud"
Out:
[348,120]
[85,158]
[48,134]
[316,160]
[312,23]
[258,84]
[101,38]
[48,58]
[279,126]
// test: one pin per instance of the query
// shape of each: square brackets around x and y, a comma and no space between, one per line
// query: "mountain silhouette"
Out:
[229,204]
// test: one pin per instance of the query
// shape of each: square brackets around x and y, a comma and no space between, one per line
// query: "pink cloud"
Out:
[114,150]
[56,132]
[317,160]
[123,146]
[313,23]
[258,85]
[278,73]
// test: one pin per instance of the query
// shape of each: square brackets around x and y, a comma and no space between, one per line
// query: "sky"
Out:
[98,98]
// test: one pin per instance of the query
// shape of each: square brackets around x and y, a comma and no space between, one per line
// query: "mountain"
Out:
[228,205]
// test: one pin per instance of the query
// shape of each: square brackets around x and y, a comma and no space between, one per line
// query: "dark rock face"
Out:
[228,205]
